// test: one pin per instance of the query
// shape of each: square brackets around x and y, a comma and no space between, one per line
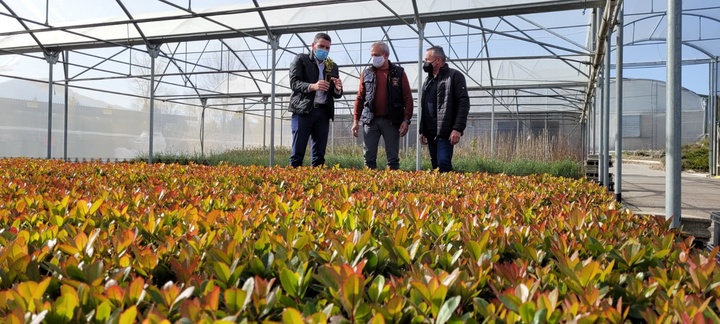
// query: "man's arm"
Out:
[407,96]
[298,77]
[463,102]
[336,73]
[359,99]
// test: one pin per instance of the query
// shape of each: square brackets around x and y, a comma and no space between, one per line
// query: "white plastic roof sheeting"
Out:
[179,22]
[533,48]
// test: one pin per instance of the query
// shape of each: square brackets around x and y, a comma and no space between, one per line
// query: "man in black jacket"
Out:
[315,81]
[445,104]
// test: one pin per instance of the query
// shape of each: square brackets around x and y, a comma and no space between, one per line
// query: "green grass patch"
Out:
[352,157]
[695,156]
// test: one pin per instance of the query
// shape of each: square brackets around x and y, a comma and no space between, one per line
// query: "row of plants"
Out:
[160,243]
[466,159]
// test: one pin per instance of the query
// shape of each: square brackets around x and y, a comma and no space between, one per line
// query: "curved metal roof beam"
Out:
[129,15]
[544,47]
[222,41]
[663,14]
[417,17]
[686,43]
[195,14]
[22,23]
[265,23]
[522,39]
[187,78]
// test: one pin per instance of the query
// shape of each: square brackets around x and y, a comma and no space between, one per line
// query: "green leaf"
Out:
[352,292]
[527,312]
[448,309]
[103,311]
[290,281]
[402,254]
[95,206]
[292,316]
[395,306]
[376,288]
[75,273]
[377,319]
[157,296]
[136,291]
[128,316]
[235,300]
[438,298]
[221,271]
[65,306]
[423,290]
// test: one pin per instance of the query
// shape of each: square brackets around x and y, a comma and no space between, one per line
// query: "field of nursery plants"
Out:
[164,243]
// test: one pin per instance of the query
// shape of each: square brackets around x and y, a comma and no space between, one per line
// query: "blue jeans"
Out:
[441,152]
[314,127]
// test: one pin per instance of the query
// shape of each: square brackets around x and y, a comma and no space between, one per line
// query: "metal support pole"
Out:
[243,124]
[673,115]
[153,51]
[418,145]
[265,104]
[601,138]
[275,44]
[606,112]
[66,69]
[712,118]
[619,105]
[203,101]
[51,57]
[492,127]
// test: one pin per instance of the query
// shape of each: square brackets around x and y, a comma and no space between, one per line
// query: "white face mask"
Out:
[378,61]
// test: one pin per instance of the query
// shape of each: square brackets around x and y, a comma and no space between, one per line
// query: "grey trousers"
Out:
[390,133]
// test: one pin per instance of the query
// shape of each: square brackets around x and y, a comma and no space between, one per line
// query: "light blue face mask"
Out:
[321,54]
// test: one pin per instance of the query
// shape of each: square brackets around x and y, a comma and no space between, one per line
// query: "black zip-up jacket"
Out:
[303,72]
[453,104]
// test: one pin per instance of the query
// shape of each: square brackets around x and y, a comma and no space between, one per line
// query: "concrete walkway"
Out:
[643,190]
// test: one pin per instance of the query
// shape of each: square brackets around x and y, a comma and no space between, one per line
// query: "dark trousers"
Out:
[441,152]
[314,127]
[380,126]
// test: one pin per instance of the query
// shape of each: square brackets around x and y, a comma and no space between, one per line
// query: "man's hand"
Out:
[404,129]
[455,137]
[338,84]
[423,140]
[355,128]
[321,85]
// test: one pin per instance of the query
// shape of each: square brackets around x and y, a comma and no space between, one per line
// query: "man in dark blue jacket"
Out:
[445,107]
[315,81]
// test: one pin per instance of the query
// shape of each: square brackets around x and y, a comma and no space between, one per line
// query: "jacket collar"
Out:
[443,70]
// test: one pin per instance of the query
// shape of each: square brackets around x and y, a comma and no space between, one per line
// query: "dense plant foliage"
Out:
[196,244]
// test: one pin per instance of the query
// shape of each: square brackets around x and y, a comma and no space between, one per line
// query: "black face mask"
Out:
[428,67]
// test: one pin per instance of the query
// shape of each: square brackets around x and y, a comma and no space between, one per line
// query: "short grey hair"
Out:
[382,45]
[438,51]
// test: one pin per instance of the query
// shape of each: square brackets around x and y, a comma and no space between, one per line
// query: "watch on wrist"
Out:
[407,121]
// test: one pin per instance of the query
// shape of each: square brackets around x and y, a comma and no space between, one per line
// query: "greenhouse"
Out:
[115,79]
